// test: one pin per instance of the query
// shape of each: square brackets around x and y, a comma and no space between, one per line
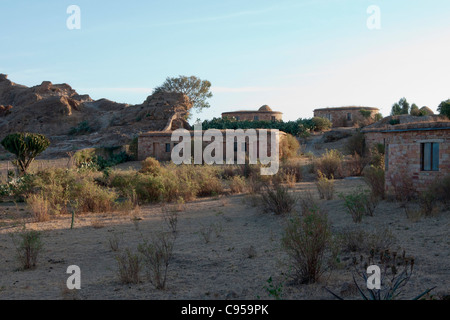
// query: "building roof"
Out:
[409,123]
[265,108]
[347,108]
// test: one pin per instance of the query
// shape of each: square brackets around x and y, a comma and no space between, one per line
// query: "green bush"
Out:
[82,128]
[321,124]
[356,144]
[26,147]
[374,177]
[28,248]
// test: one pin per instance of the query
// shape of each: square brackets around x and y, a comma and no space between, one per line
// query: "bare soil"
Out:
[243,252]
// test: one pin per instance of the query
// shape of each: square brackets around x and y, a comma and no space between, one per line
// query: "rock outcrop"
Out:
[56,110]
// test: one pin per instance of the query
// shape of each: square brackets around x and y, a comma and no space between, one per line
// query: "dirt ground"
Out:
[243,252]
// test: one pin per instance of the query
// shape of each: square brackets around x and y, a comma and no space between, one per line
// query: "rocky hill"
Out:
[72,121]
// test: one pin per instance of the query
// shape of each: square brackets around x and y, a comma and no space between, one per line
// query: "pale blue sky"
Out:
[293,55]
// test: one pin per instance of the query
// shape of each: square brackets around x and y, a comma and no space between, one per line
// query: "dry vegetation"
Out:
[158,231]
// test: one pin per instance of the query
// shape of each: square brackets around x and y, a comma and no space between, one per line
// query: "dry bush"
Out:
[39,207]
[292,168]
[359,240]
[151,166]
[129,267]
[308,203]
[325,186]
[289,147]
[306,240]
[355,165]
[355,144]
[402,186]
[374,177]
[330,164]
[114,242]
[278,199]
[157,255]
[237,184]
[28,248]
[93,198]
[170,215]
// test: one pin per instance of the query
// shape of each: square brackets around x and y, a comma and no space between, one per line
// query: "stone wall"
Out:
[153,144]
[404,158]
[347,117]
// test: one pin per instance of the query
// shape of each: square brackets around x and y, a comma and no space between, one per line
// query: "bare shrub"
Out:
[359,240]
[308,203]
[403,186]
[114,242]
[28,248]
[355,144]
[306,240]
[129,267]
[374,177]
[325,186]
[278,199]
[157,255]
[237,184]
[39,207]
[170,215]
[292,168]
[330,164]
[355,165]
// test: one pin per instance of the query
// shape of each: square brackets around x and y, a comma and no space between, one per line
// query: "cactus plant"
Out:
[26,147]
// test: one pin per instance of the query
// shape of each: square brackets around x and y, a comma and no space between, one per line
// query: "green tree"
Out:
[26,147]
[400,107]
[196,89]
[444,108]
[415,111]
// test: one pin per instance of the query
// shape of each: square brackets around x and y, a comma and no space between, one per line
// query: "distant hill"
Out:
[72,121]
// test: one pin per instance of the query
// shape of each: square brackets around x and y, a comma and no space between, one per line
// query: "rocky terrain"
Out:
[73,121]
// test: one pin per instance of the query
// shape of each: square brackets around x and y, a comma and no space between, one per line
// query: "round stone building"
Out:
[265,113]
[348,116]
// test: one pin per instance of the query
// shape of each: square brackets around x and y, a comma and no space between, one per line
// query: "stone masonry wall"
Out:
[404,158]
[339,117]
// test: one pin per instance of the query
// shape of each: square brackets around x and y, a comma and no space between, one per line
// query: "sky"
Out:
[293,55]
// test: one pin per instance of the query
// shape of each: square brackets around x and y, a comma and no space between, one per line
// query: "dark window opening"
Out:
[167,147]
[429,156]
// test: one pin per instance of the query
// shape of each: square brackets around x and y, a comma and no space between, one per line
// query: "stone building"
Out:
[265,113]
[158,144]
[417,150]
[348,116]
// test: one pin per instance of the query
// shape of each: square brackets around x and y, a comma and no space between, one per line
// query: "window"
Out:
[349,116]
[429,156]
[329,117]
[167,147]
[237,118]
[256,118]
[273,118]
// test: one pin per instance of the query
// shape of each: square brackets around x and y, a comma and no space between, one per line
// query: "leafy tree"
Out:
[444,108]
[25,146]
[400,107]
[415,111]
[196,89]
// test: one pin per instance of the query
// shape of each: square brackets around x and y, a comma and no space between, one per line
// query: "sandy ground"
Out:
[243,252]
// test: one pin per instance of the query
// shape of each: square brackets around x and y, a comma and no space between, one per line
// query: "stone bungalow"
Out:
[417,149]
[265,113]
[348,116]
[158,144]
